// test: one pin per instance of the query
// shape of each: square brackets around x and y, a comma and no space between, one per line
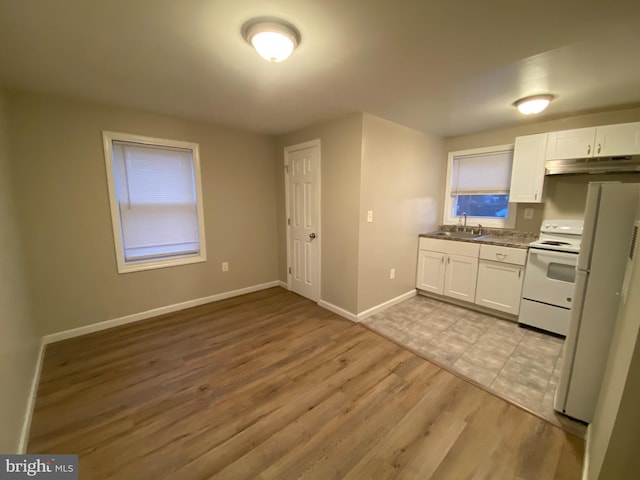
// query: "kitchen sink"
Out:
[467,235]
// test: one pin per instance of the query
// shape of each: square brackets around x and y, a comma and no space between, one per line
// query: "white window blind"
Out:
[156,197]
[481,173]
[477,188]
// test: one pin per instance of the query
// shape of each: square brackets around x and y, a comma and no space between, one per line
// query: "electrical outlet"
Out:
[392,274]
[225,266]
[370,216]
[528,213]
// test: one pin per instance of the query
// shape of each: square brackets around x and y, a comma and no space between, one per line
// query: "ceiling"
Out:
[446,67]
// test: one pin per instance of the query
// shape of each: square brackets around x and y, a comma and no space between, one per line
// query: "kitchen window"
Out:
[156,201]
[477,186]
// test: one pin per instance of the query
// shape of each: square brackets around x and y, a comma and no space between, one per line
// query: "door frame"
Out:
[287,151]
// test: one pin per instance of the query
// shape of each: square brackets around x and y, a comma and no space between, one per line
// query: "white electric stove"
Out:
[549,280]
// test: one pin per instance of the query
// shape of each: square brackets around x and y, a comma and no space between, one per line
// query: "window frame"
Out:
[492,222]
[123,266]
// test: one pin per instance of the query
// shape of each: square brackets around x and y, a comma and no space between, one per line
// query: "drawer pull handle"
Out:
[501,256]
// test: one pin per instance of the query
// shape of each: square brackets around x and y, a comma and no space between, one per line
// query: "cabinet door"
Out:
[527,173]
[460,277]
[578,143]
[623,139]
[499,286]
[431,267]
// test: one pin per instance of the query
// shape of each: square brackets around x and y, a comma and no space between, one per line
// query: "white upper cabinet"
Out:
[527,172]
[604,141]
[622,139]
[578,143]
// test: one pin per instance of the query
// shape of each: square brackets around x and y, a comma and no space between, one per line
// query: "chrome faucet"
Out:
[459,224]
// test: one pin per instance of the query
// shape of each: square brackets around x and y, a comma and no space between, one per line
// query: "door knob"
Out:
[312,236]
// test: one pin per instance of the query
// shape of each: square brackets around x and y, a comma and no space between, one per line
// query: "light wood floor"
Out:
[271,386]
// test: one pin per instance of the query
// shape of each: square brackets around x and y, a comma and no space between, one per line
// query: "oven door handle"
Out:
[550,253]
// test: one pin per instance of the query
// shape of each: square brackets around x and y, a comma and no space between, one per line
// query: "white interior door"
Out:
[303,202]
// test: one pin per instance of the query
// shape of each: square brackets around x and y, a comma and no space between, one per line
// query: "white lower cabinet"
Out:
[448,268]
[500,278]
[487,275]
[431,271]
[460,277]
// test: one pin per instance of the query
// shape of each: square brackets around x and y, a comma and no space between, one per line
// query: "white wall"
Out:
[401,182]
[61,188]
[370,164]
[19,343]
[341,154]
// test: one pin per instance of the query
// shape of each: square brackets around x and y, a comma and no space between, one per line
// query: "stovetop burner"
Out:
[554,243]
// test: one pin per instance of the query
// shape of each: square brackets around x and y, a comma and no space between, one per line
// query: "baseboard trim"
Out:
[136,317]
[387,304]
[31,402]
[339,311]
[367,313]
[284,284]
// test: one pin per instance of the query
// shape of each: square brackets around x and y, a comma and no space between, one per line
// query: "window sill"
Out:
[131,267]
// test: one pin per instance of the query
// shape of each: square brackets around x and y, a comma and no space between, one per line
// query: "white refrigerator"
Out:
[610,211]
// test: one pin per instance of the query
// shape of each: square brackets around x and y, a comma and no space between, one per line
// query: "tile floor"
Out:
[519,364]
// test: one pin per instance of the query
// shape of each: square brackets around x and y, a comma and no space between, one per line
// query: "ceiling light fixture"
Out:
[273,39]
[533,104]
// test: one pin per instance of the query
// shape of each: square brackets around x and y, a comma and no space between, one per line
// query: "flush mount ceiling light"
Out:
[533,104]
[273,39]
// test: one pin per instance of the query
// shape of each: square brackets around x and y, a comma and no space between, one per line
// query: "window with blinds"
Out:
[478,186]
[156,207]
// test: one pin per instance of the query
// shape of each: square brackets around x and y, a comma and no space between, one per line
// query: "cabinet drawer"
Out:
[449,246]
[516,256]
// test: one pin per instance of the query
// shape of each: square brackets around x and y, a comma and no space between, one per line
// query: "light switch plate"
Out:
[370,216]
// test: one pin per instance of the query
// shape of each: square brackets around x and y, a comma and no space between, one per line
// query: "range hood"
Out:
[628,163]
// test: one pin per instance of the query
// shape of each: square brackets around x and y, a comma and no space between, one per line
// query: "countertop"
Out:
[501,238]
